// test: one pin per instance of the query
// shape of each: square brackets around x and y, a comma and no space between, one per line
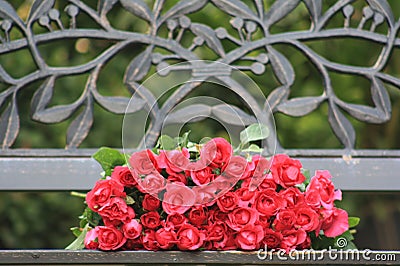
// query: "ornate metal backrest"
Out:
[170,33]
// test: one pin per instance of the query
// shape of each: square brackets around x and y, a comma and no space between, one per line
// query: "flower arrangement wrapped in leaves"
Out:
[186,196]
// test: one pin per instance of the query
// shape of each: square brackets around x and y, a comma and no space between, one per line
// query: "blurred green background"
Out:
[42,220]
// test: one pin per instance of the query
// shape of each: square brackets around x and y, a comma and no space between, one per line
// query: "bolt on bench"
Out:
[251,36]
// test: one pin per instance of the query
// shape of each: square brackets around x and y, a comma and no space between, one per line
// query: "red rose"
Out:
[306,244]
[237,168]
[202,176]
[152,184]
[144,162]
[125,176]
[216,152]
[217,215]
[116,211]
[132,229]
[268,202]
[189,237]
[166,237]
[197,215]
[149,240]
[240,217]
[178,198]
[177,177]
[285,220]
[250,237]
[292,196]
[91,239]
[286,171]
[307,218]
[293,238]
[216,232]
[245,196]
[150,203]
[176,220]
[133,244]
[110,238]
[322,183]
[102,193]
[174,161]
[150,220]
[272,239]
[228,201]
[335,222]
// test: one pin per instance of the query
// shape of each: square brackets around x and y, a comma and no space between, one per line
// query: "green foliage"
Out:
[109,158]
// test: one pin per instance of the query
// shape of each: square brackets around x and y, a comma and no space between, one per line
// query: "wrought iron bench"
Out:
[168,32]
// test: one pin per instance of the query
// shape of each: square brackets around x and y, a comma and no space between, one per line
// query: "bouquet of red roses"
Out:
[186,196]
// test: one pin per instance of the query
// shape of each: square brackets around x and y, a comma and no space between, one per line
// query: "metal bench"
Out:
[169,32]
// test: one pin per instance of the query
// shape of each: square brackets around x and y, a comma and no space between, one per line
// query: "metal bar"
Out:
[49,257]
[47,174]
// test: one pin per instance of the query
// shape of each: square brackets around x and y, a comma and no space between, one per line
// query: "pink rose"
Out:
[132,229]
[335,222]
[250,237]
[91,239]
[102,193]
[178,198]
[237,168]
[116,211]
[174,161]
[286,171]
[189,237]
[217,152]
[110,238]
[166,237]
[152,184]
[125,176]
[240,217]
[322,188]
[205,194]
[144,162]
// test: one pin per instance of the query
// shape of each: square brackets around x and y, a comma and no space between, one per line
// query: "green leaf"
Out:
[76,231]
[129,200]
[353,221]
[253,132]
[78,243]
[165,142]
[109,158]
[253,148]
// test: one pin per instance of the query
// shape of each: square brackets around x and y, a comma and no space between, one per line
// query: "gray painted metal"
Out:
[49,173]
[56,257]
[247,18]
